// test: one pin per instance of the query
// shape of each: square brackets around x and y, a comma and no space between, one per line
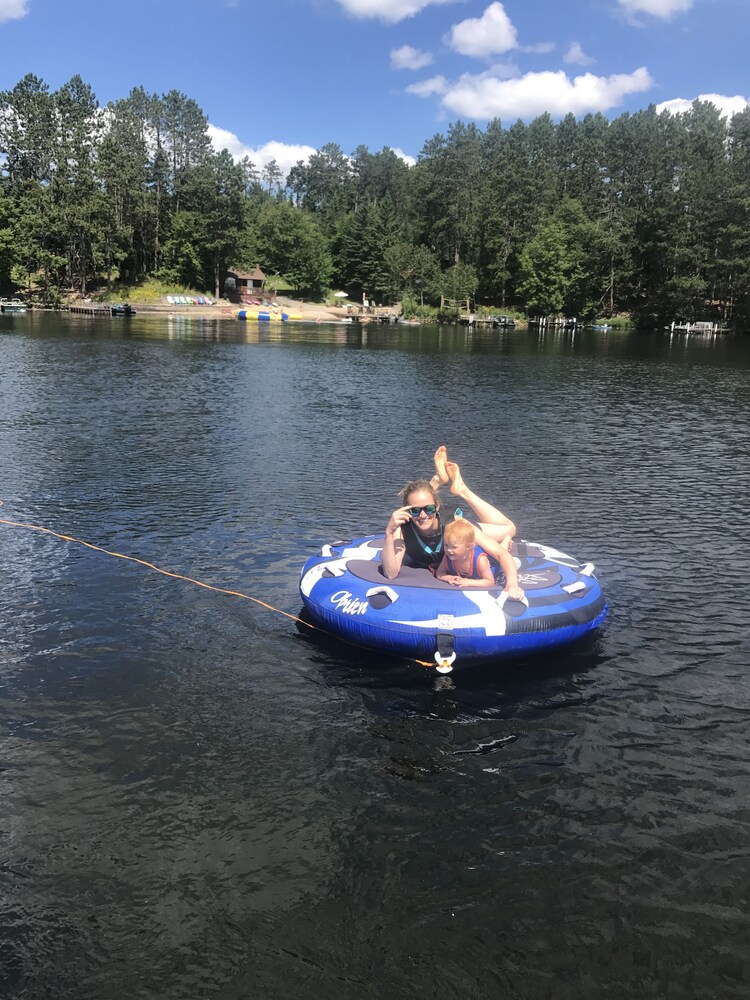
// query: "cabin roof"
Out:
[255,275]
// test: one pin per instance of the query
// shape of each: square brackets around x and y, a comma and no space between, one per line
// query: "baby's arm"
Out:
[443,573]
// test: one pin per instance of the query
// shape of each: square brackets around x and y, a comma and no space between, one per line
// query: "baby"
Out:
[464,563]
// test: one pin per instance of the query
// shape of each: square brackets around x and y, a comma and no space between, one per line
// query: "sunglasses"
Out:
[429,508]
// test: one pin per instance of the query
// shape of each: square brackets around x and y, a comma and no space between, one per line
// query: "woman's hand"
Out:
[397,519]
[515,593]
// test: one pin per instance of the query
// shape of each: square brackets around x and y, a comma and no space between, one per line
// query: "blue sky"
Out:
[279,78]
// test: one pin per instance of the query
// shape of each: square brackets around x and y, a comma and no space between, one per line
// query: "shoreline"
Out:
[311,312]
[300,312]
[221,309]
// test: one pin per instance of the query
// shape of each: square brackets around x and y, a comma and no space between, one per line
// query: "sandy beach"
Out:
[311,311]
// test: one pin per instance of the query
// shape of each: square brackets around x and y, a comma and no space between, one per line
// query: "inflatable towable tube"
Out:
[418,616]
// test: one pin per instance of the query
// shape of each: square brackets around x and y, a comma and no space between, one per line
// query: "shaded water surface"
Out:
[201,801]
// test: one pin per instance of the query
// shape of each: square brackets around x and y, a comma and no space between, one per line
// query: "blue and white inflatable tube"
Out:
[420,617]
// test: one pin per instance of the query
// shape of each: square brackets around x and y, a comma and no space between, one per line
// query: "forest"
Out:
[646,215]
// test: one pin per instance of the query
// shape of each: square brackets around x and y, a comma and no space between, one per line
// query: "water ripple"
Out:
[201,800]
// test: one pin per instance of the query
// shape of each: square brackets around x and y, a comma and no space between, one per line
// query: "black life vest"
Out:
[422,550]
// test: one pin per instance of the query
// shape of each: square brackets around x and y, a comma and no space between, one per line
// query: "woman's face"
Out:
[423,521]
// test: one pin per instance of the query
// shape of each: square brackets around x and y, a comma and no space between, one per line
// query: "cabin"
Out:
[241,286]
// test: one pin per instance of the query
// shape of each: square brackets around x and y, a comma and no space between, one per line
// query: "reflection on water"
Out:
[202,800]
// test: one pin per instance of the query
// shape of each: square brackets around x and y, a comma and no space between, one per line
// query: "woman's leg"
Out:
[491,546]
[501,552]
[441,473]
[491,520]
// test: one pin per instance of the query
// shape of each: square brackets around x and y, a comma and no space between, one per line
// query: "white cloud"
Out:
[728,106]
[286,155]
[483,36]
[503,70]
[577,56]
[425,88]
[222,138]
[407,57]
[408,160]
[13,10]
[539,48]
[664,9]
[388,10]
[484,96]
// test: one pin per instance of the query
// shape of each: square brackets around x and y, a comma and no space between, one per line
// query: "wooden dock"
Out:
[371,314]
[705,328]
[462,312]
[91,309]
[556,322]
[495,322]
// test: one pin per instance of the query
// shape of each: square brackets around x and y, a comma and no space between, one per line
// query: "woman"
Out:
[414,533]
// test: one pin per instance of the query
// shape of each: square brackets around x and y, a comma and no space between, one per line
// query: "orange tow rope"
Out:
[174,576]
[158,569]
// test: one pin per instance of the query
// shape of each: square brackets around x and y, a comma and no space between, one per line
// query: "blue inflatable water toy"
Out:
[420,617]
[263,315]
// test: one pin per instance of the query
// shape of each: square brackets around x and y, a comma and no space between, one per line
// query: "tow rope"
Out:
[149,565]
[174,576]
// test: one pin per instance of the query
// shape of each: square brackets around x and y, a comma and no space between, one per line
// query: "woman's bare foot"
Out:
[441,457]
[457,484]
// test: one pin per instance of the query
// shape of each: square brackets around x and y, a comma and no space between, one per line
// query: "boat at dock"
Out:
[12,306]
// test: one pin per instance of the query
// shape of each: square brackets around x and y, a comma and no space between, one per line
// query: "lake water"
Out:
[200,801]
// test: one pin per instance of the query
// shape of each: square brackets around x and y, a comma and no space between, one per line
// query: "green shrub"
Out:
[148,292]
[412,309]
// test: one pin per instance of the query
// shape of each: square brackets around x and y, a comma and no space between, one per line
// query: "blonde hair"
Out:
[415,486]
[459,531]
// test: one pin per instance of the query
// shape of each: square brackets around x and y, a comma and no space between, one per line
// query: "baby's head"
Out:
[458,537]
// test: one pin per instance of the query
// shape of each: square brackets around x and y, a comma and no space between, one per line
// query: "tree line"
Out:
[648,213]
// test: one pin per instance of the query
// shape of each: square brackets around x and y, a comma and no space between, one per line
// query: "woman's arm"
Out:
[394,546]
